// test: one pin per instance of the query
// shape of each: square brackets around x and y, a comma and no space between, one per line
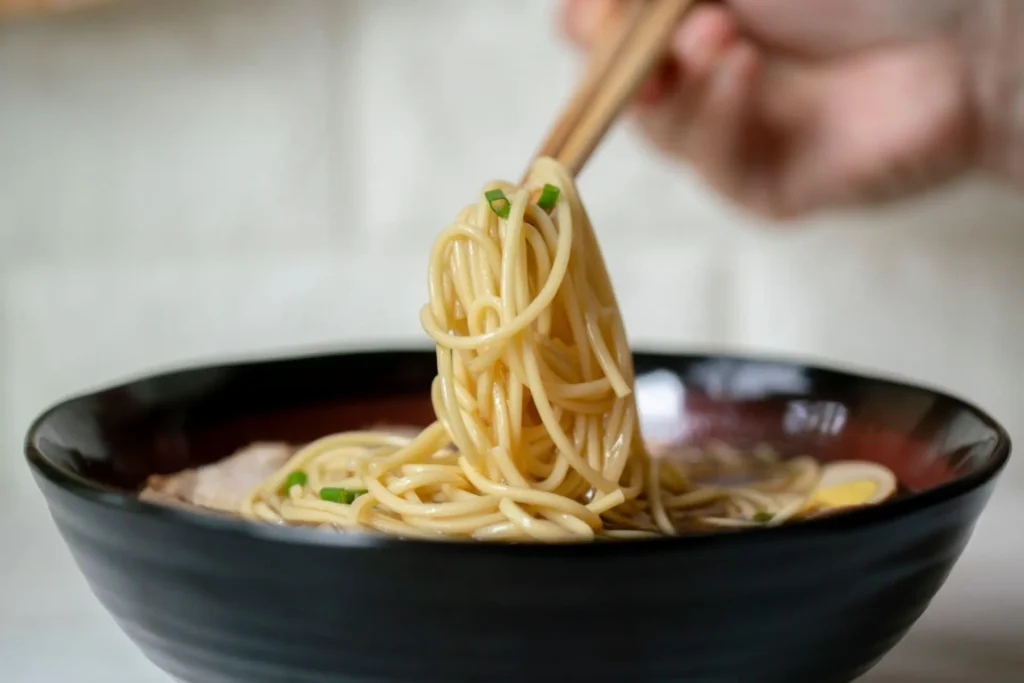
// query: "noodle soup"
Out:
[536,433]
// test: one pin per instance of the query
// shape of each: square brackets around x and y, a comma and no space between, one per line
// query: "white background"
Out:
[185,180]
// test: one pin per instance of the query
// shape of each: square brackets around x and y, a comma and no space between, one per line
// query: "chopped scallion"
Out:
[340,495]
[499,202]
[548,197]
[764,517]
[296,478]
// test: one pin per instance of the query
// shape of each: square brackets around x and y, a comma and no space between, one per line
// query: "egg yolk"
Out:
[846,494]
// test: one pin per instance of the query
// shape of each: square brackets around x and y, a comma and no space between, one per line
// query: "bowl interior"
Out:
[115,438]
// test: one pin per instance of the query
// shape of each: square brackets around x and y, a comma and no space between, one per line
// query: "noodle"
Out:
[537,435]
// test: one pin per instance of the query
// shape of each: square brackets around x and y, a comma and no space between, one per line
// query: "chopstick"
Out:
[621,64]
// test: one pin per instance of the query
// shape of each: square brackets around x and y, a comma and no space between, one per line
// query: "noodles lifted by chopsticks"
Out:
[537,436]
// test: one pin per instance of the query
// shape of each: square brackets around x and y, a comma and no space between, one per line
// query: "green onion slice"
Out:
[499,202]
[296,478]
[548,197]
[340,495]
[763,517]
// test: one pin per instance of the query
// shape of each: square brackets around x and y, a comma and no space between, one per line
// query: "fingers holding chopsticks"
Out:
[697,102]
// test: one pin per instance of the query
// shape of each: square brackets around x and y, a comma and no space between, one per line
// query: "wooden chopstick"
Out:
[609,48]
[622,62]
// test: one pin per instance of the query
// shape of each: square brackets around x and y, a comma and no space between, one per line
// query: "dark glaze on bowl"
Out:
[215,600]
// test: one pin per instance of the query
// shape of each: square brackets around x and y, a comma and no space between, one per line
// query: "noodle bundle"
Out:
[537,435]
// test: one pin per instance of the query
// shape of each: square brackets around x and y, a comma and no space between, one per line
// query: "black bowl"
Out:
[213,600]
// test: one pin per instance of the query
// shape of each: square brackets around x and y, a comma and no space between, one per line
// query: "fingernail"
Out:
[593,16]
[571,20]
[688,43]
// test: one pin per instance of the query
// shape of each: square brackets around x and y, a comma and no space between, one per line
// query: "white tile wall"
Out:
[185,180]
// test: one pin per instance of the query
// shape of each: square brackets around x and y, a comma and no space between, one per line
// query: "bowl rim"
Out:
[852,519]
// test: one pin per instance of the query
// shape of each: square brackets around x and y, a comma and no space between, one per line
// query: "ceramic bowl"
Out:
[215,600]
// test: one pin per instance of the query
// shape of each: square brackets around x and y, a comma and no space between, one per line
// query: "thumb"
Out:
[583,21]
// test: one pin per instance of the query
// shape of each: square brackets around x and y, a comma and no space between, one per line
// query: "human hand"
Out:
[788,106]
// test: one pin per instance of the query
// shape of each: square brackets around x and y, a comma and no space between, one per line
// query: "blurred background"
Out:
[198,179]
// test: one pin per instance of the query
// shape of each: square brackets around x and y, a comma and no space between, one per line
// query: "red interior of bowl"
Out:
[173,422]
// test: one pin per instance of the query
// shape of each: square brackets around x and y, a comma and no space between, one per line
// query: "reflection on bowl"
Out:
[215,600]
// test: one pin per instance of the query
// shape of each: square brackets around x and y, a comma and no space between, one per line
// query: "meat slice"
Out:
[222,485]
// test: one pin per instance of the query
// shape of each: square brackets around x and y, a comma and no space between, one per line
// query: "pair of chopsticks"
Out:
[622,62]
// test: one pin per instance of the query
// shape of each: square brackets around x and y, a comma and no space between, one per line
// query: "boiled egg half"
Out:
[852,483]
